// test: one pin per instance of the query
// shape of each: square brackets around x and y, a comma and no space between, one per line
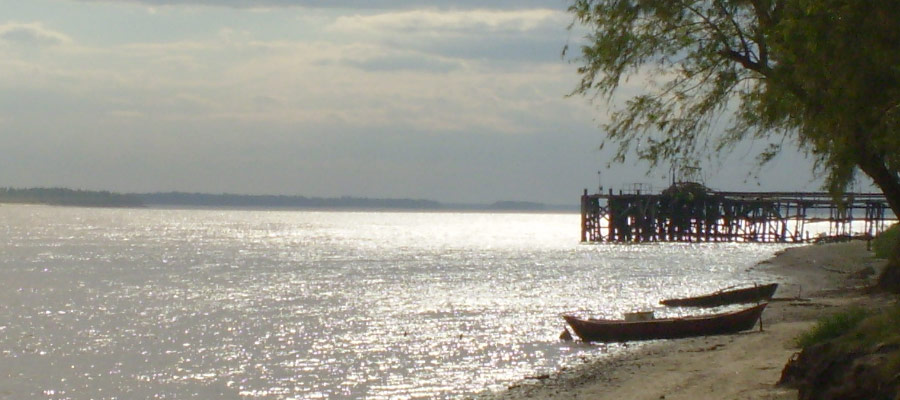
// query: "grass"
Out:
[858,350]
[885,241]
[879,328]
[832,327]
[858,329]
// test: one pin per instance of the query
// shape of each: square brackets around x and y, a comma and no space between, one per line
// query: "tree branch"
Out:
[737,28]
[766,19]
[721,37]
[746,61]
[762,13]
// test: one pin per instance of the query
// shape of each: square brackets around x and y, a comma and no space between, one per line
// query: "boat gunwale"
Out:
[719,297]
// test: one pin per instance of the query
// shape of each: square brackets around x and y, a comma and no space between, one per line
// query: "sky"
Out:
[458,101]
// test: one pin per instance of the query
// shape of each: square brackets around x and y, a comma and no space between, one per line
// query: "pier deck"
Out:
[689,212]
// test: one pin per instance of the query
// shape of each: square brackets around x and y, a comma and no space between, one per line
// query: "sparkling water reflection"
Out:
[144,303]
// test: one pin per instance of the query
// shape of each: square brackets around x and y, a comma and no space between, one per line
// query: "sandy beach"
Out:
[826,278]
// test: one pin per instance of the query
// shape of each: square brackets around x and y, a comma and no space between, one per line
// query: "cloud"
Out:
[448,22]
[373,77]
[351,4]
[403,62]
[526,36]
[237,100]
[32,34]
[264,103]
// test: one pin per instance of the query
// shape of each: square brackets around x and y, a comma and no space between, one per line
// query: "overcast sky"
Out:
[445,100]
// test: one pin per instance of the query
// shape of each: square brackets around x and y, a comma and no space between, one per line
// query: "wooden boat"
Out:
[753,294]
[601,330]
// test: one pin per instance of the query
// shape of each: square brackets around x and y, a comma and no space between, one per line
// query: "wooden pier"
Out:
[689,212]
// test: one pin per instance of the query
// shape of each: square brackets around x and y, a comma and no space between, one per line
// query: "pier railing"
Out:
[691,213]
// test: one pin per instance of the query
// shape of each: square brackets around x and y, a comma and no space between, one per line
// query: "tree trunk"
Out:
[888,181]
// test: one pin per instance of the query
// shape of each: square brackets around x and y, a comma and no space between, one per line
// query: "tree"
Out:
[824,74]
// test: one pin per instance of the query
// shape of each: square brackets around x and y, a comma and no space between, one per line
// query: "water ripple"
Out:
[283,305]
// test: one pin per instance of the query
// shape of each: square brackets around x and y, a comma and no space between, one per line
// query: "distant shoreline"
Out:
[68,197]
[87,198]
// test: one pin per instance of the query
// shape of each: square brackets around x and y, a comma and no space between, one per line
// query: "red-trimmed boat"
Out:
[604,330]
[753,294]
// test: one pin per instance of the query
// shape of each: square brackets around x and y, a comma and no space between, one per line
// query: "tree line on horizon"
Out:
[68,197]
[282,201]
[88,198]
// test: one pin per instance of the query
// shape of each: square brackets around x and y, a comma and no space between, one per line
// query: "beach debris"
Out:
[863,273]
[705,349]
[790,299]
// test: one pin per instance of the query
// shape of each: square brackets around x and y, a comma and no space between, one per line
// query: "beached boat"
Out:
[604,330]
[753,294]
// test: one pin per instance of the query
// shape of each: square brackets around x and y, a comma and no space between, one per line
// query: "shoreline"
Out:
[747,365]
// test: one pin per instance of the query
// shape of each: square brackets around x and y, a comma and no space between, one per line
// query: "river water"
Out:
[161,303]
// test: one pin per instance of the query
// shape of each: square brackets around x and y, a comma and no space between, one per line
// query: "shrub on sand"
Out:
[887,245]
[854,355]
[883,244]
[832,326]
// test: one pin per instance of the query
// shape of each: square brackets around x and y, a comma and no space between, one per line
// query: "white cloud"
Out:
[443,22]
[235,73]
[339,4]
[501,39]
[409,61]
[31,34]
[208,96]
[126,114]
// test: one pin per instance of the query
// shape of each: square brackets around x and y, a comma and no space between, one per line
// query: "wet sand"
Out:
[827,278]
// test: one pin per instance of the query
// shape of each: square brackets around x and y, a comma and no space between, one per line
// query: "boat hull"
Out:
[737,296]
[591,330]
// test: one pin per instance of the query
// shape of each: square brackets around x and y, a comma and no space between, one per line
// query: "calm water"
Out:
[144,303]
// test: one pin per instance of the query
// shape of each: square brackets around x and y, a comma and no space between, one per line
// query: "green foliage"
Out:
[884,243]
[879,329]
[838,60]
[824,74]
[852,355]
[832,327]
[858,329]
[682,45]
